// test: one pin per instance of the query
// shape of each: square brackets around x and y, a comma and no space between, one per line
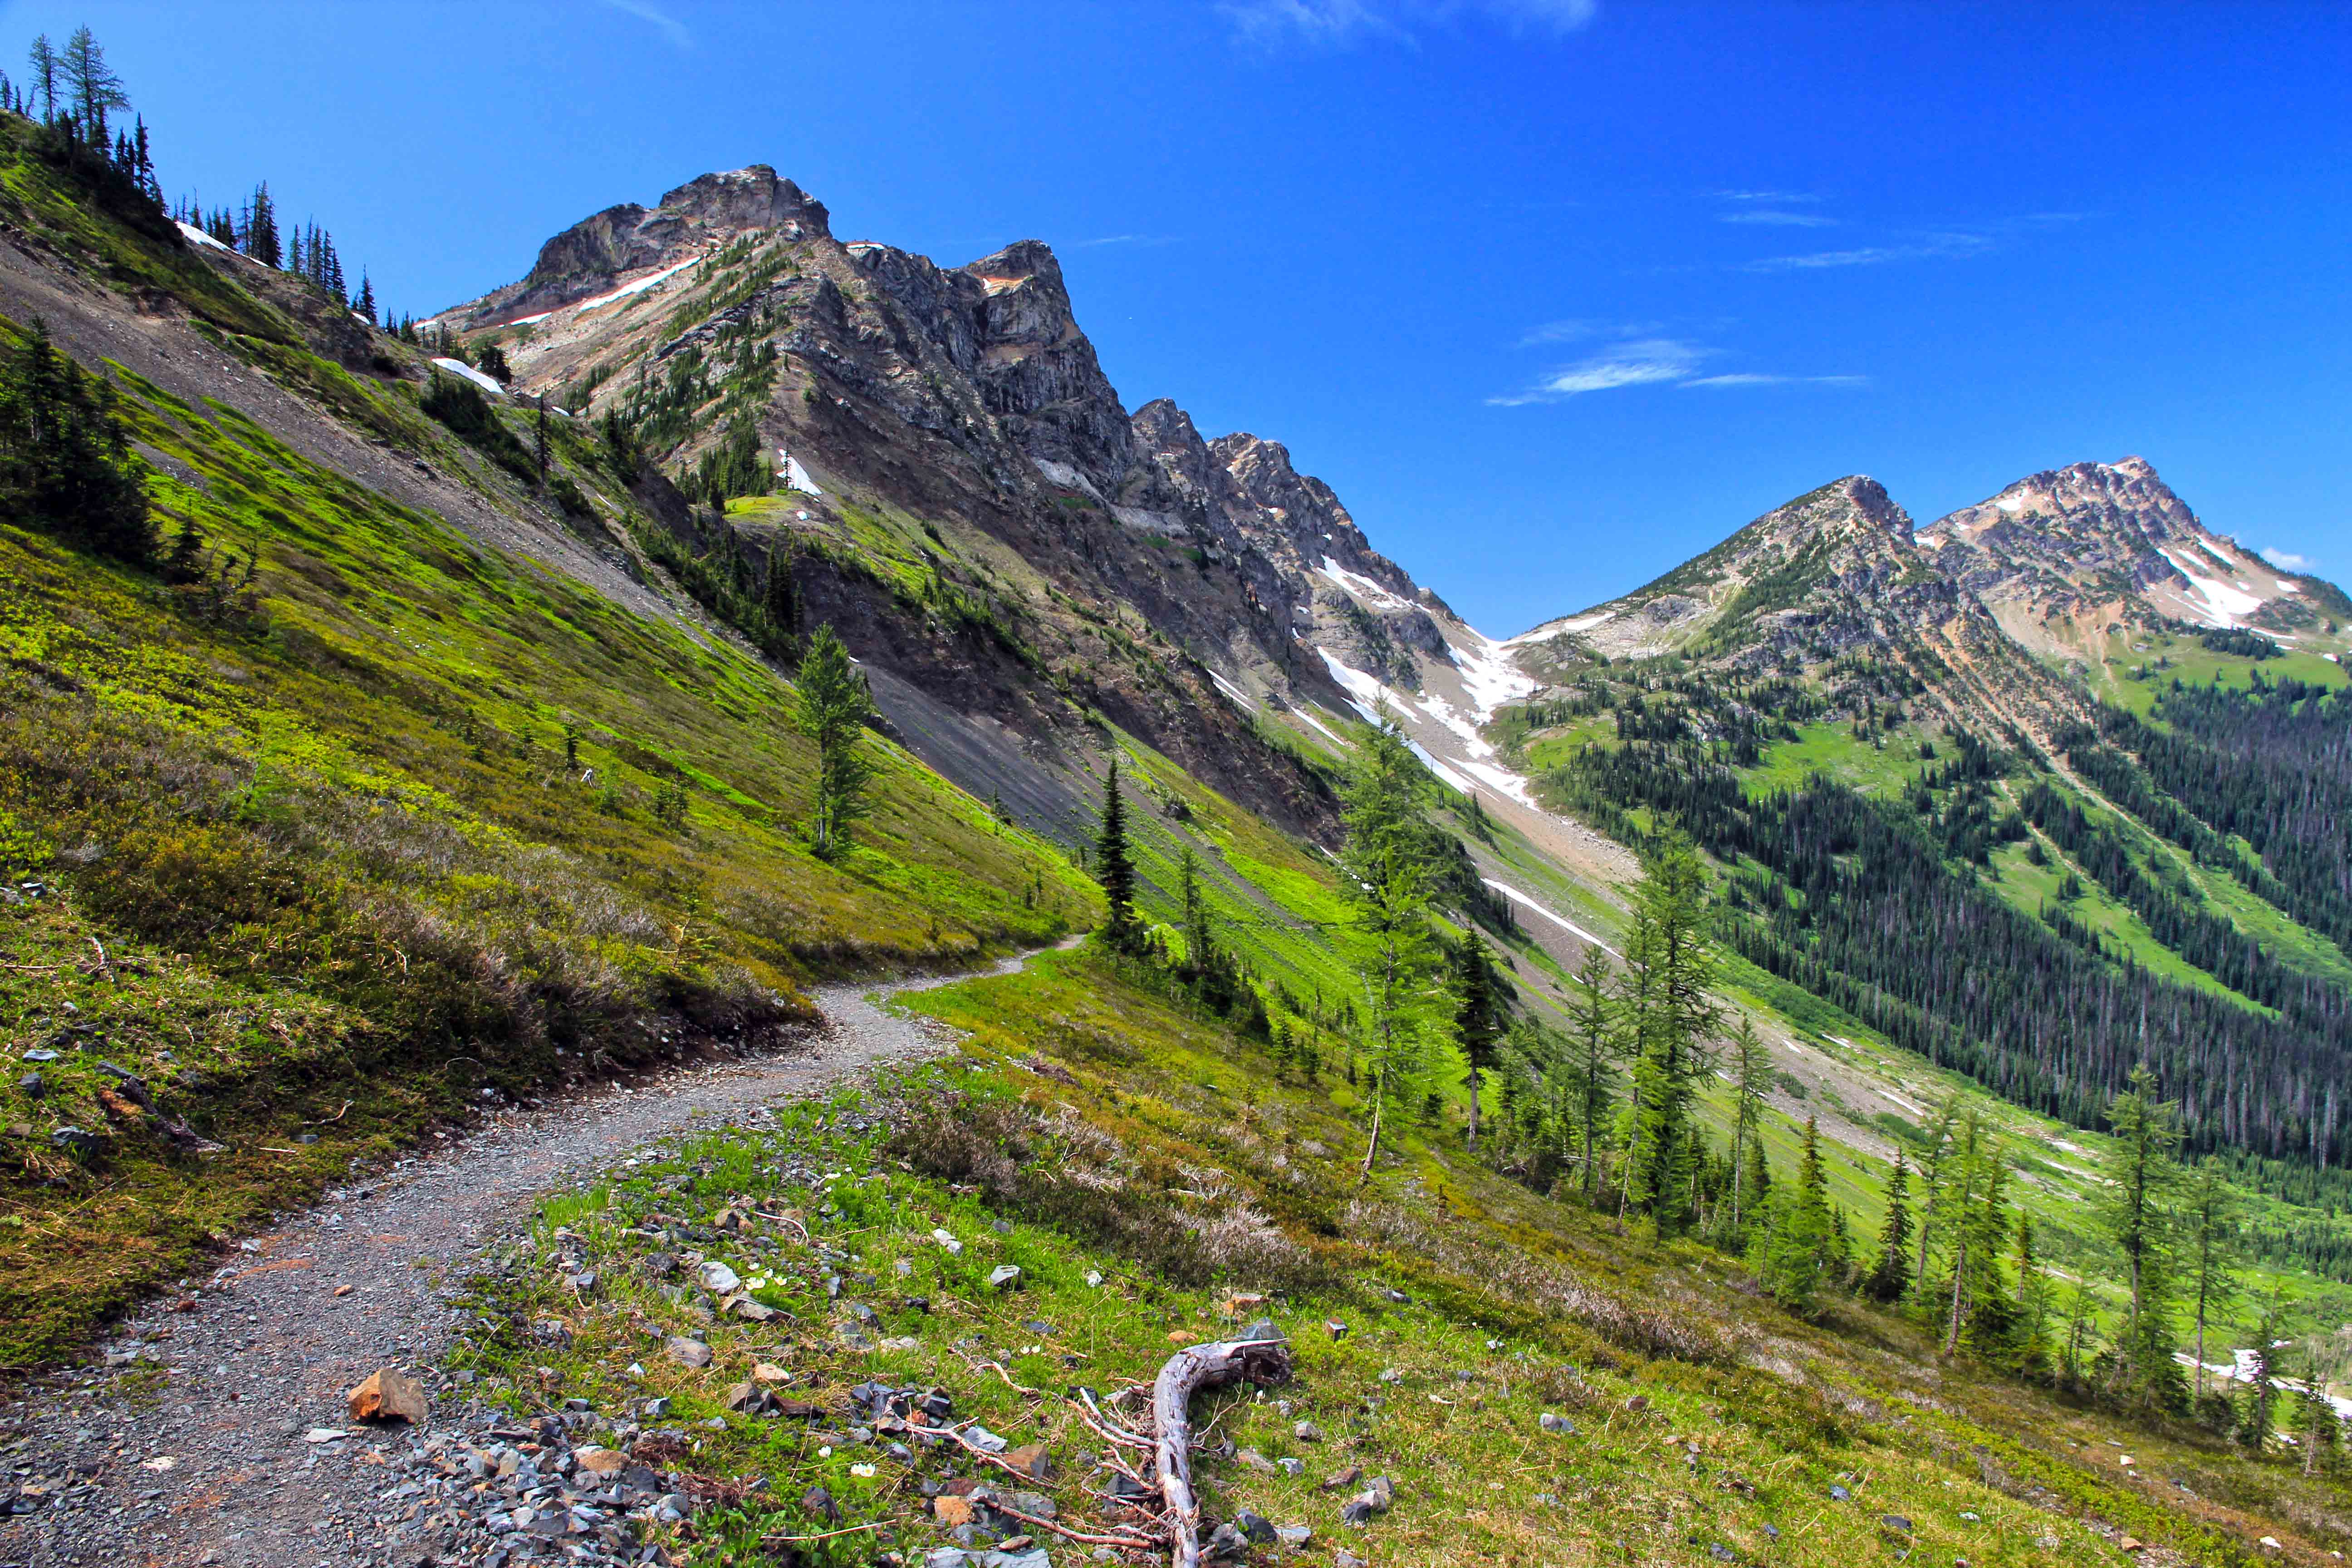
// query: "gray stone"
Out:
[687,1352]
[1550,1422]
[1003,1275]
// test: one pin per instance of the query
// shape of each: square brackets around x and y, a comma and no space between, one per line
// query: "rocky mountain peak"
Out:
[593,254]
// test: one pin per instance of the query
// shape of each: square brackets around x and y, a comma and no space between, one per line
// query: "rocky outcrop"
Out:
[2102,542]
[597,252]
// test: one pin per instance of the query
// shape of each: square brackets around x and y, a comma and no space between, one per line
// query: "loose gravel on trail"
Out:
[216,1431]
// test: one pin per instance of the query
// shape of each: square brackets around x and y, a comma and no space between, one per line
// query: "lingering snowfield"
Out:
[1487,678]
[796,477]
[1569,926]
[1241,699]
[1365,694]
[195,236]
[1319,727]
[636,287]
[459,367]
[1363,587]
[2228,603]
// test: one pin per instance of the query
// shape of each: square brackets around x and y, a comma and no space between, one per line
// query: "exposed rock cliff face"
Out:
[593,254]
[2107,542]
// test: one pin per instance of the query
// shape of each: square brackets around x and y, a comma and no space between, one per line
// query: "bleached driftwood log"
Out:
[1264,1356]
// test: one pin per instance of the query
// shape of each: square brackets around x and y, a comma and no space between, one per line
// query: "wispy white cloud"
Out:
[1778,198]
[1584,330]
[1642,362]
[671,27]
[1753,378]
[1777,218]
[2287,561]
[1927,248]
[1330,24]
[1125,239]
[1639,353]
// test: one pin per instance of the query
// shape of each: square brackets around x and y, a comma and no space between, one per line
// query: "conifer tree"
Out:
[833,706]
[43,61]
[96,90]
[1802,1242]
[1385,872]
[365,303]
[1892,1271]
[1751,1076]
[2317,1429]
[2033,1303]
[1596,1044]
[2259,1417]
[1477,1025]
[1200,944]
[2209,1222]
[1122,933]
[2140,1177]
[257,235]
[1671,1012]
[66,463]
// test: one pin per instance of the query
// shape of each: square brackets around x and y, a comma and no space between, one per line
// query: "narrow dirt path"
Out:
[194,1444]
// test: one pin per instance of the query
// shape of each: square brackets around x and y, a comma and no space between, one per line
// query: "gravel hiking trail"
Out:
[202,1436]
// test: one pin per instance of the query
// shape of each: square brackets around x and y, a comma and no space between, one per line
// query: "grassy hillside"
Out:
[1154,1181]
[374,813]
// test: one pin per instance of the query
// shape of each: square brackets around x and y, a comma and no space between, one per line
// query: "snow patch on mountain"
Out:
[2227,603]
[1363,587]
[459,367]
[1569,926]
[638,285]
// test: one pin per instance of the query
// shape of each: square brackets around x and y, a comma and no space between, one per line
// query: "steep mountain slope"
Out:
[2086,546]
[456,765]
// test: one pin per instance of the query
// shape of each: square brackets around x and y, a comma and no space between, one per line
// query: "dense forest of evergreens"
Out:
[1876,908]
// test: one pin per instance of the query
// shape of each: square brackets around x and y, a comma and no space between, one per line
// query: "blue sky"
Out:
[1554,292]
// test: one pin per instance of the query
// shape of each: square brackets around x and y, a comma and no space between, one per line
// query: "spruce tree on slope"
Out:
[1122,933]
[1385,873]
[2141,1178]
[43,61]
[2209,1225]
[1478,1024]
[1891,1275]
[831,708]
[1752,1072]
[1596,1045]
[96,90]
[1671,1012]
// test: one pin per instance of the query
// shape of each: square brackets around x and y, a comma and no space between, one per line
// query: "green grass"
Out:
[1703,1418]
[1831,749]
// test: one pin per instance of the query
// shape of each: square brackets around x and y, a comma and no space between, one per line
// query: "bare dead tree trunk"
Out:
[1189,1370]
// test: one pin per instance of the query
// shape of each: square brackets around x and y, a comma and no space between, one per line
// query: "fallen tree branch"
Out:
[996,1504]
[1265,1358]
[828,1535]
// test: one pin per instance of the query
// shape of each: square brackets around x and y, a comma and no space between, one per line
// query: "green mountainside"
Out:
[1536,1028]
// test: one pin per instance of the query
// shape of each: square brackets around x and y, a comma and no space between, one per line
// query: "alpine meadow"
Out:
[709,909]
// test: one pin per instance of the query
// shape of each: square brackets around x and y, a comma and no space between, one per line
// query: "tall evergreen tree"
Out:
[1671,1011]
[1385,868]
[1890,1273]
[2317,1429]
[45,68]
[365,303]
[1596,1045]
[1751,1081]
[96,90]
[257,235]
[1801,1242]
[2259,1419]
[2141,1177]
[2209,1225]
[831,707]
[66,463]
[1199,942]
[1122,933]
[1478,1020]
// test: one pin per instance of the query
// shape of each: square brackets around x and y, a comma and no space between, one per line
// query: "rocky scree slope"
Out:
[967,460]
